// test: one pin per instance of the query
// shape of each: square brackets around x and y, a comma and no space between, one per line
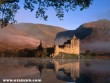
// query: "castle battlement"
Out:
[71,46]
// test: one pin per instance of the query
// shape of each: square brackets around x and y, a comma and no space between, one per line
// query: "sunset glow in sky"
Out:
[100,9]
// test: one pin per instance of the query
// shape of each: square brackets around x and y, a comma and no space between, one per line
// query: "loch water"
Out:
[56,70]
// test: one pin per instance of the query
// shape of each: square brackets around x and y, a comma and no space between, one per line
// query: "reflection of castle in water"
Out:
[71,68]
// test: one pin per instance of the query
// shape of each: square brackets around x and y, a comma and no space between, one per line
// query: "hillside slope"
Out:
[27,35]
[94,36]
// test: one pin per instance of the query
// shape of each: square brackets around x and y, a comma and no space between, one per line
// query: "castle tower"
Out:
[56,50]
[72,40]
[74,36]
[71,46]
[75,44]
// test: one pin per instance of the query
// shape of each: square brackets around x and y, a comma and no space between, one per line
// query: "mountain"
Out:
[27,35]
[94,36]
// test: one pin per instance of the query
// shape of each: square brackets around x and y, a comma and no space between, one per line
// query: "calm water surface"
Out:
[56,70]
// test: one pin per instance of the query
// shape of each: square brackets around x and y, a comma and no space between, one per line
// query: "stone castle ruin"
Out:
[71,46]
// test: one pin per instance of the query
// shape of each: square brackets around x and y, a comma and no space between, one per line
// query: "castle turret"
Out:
[71,46]
[74,36]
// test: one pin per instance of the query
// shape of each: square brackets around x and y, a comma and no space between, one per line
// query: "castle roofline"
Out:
[74,37]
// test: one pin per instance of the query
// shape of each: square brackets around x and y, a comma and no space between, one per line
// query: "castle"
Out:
[71,46]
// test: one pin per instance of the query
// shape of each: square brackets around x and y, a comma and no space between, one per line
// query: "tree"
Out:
[93,54]
[44,54]
[8,8]
[87,53]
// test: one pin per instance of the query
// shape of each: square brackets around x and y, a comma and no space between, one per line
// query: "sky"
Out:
[100,9]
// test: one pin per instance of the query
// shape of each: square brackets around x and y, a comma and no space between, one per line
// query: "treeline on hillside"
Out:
[18,53]
[39,52]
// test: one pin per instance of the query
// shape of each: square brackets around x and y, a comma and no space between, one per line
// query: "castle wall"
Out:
[72,48]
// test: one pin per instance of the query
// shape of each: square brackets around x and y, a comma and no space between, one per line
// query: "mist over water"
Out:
[57,70]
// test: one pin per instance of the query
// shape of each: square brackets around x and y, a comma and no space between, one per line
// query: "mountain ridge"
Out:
[27,35]
[94,36]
